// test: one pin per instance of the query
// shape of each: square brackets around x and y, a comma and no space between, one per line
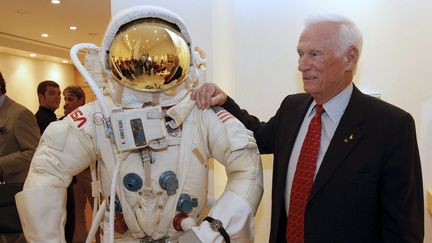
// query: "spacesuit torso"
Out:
[156,185]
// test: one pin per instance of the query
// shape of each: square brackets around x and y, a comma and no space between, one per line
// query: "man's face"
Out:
[71,102]
[51,98]
[325,71]
[170,65]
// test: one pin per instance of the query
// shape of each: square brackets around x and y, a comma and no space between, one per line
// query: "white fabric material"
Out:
[235,215]
[42,220]
[94,64]
[58,157]
[188,223]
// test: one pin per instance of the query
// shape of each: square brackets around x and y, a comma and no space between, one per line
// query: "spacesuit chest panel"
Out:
[178,182]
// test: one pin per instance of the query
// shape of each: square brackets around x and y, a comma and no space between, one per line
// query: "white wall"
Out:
[251,52]
[395,61]
[23,75]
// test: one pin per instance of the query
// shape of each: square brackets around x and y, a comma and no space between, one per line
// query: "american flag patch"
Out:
[222,114]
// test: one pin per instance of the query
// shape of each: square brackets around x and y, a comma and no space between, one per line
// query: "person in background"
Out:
[358,179]
[49,96]
[74,97]
[19,137]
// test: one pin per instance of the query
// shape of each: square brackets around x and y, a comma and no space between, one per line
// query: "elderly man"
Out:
[346,165]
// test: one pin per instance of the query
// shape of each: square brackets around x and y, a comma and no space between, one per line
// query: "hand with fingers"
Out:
[208,95]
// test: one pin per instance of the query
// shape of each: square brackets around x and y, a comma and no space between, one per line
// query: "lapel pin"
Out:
[351,137]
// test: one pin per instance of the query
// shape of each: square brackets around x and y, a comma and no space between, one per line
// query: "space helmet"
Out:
[147,56]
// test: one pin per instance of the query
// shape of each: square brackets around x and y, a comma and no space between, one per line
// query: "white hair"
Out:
[348,32]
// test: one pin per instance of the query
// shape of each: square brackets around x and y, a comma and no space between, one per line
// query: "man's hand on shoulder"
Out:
[208,95]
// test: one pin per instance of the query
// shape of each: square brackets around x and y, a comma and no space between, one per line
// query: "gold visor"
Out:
[149,55]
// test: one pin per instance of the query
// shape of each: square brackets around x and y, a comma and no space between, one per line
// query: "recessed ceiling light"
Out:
[73,27]
[44,35]
[64,61]
[32,55]
[23,11]
[55,1]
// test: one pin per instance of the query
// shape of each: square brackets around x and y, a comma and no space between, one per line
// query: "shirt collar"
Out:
[336,106]
[2,99]
[45,109]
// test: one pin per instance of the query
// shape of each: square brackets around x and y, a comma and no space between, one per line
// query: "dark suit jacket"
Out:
[369,186]
[175,73]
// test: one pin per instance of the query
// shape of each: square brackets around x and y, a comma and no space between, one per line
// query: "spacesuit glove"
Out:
[42,213]
[236,217]
[189,237]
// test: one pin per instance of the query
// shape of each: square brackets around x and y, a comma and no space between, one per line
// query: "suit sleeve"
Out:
[264,132]
[63,152]
[27,135]
[401,186]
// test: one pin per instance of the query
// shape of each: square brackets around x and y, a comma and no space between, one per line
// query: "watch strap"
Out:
[216,225]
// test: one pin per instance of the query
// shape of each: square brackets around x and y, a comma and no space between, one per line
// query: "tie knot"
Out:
[319,110]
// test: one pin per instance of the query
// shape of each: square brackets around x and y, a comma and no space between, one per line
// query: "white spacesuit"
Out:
[151,144]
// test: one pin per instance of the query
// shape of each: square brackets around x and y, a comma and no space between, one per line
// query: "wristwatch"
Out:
[216,225]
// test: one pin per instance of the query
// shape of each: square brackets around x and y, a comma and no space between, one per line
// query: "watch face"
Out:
[216,225]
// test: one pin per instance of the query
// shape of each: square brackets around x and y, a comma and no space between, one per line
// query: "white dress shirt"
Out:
[334,109]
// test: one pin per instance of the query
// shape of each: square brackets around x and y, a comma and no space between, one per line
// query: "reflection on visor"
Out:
[149,55]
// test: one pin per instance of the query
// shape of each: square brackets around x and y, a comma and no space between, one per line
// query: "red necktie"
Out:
[303,179]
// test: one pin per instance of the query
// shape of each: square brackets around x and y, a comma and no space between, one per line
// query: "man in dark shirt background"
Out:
[49,96]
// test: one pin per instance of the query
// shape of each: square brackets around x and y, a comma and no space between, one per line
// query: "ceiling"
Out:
[23,21]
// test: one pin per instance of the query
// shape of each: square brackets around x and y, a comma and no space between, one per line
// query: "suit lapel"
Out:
[291,126]
[345,139]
